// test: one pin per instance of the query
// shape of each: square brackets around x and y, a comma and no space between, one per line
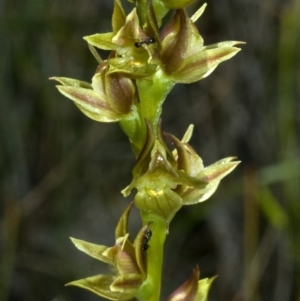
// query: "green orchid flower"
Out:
[178,50]
[165,180]
[144,64]
[110,97]
[184,58]
[134,51]
[126,259]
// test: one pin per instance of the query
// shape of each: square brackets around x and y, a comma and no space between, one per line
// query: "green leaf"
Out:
[275,214]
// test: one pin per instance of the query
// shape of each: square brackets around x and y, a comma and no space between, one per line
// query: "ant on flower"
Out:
[145,41]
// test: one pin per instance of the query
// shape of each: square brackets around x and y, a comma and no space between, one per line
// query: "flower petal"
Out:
[128,284]
[212,175]
[181,40]
[120,91]
[90,103]
[203,288]
[102,41]
[93,250]
[200,65]
[129,32]
[160,200]
[218,170]
[126,264]
[188,290]
[65,81]
[121,229]
[100,285]
[198,13]
[187,158]
[138,245]
[119,16]
[132,68]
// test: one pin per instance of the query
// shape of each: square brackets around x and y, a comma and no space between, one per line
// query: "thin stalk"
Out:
[154,259]
[152,93]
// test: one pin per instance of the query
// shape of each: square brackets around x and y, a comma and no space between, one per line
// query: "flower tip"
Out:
[198,13]
[73,239]
[235,43]
[55,78]
[232,160]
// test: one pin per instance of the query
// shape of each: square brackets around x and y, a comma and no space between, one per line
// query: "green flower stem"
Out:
[152,93]
[132,126]
[150,291]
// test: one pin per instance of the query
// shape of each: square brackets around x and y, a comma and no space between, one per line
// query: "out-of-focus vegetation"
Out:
[61,173]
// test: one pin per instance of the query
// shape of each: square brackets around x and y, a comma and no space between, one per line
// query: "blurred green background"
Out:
[61,173]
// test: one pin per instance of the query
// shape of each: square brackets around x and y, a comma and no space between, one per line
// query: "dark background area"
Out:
[61,173]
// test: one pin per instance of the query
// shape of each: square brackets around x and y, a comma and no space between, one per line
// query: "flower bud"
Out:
[193,289]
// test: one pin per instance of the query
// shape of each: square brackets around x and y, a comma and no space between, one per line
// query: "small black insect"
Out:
[145,247]
[147,236]
[145,41]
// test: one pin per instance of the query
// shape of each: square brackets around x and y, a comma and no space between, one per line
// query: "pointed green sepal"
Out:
[211,174]
[121,229]
[100,285]
[140,248]
[90,103]
[118,17]
[102,41]
[200,65]
[203,288]
[71,82]
[93,250]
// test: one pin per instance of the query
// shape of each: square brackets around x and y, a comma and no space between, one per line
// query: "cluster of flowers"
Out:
[145,61]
